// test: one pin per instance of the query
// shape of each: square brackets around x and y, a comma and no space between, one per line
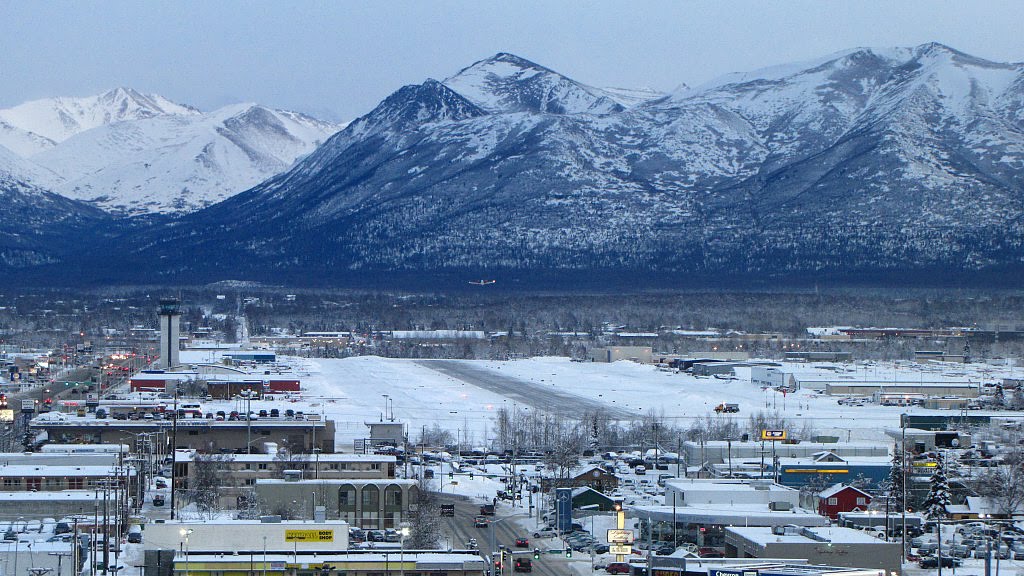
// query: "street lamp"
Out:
[403,531]
[184,532]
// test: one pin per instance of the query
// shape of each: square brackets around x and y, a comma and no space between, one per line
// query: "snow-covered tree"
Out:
[938,493]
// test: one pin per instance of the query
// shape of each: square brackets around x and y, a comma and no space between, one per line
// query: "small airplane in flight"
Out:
[482,282]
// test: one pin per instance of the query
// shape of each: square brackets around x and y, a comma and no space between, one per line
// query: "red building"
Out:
[278,386]
[841,498]
[147,385]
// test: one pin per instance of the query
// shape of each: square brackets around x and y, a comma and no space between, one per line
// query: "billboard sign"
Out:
[773,435]
[563,509]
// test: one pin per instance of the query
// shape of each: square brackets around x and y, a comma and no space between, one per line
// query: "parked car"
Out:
[158,500]
[665,550]
[545,533]
[708,552]
[960,551]
[617,568]
[933,562]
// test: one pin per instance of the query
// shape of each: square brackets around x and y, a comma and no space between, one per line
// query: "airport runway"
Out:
[543,397]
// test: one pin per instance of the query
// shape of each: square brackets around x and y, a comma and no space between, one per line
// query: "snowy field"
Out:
[352,392]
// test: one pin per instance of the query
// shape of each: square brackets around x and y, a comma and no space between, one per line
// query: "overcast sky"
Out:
[338,59]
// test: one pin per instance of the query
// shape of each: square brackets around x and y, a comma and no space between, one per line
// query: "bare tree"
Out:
[425,518]
[288,459]
[209,476]
[1004,484]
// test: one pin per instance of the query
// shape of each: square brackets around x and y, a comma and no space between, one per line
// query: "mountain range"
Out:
[885,165]
[130,153]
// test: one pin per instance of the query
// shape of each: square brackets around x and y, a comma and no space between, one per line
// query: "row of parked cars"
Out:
[359,535]
[973,540]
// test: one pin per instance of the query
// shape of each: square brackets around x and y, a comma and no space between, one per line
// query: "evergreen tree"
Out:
[894,483]
[938,493]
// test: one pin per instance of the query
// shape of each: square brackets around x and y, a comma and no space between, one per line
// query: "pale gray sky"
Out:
[340,58]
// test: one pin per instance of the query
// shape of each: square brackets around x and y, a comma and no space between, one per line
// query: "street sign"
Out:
[620,549]
[620,536]
[773,435]
[448,510]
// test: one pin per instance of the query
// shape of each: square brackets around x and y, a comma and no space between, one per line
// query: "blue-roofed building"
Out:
[826,468]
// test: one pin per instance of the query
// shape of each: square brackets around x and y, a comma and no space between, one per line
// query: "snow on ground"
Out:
[352,391]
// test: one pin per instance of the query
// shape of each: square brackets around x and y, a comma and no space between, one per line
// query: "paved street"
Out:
[504,531]
[542,397]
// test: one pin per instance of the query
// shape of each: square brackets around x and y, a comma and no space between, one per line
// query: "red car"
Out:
[522,542]
[617,568]
[708,552]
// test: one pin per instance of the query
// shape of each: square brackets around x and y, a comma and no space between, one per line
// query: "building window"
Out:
[862,501]
[333,466]
[34,483]
[393,497]
[263,466]
[833,501]
[375,466]
[370,496]
[250,481]
[75,483]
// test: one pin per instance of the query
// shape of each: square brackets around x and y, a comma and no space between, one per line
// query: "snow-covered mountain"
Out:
[57,119]
[130,153]
[178,163]
[15,168]
[508,83]
[894,164]
[40,227]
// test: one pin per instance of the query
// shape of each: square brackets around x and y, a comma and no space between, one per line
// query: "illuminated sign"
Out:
[619,536]
[773,435]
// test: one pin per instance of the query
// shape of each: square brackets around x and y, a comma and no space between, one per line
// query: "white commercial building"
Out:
[232,535]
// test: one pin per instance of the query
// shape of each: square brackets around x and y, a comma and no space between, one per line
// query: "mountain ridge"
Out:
[882,164]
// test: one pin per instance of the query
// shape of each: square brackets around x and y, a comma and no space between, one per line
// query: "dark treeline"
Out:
[40,317]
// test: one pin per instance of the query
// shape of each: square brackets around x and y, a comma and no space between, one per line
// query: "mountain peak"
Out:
[62,117]
[512,59]
[509,83]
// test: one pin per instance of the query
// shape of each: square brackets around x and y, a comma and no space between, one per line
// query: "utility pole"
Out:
[174,451]
[903,458]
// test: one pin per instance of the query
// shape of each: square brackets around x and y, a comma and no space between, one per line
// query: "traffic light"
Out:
[536,553]
[568,552]
[451,475]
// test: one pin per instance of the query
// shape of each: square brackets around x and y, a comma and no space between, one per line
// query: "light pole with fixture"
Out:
[403,531]
[184,532]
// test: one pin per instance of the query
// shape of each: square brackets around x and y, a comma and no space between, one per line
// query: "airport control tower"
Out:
[170,314]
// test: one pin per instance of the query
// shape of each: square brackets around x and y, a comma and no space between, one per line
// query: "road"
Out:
[542,397]
[460,529]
